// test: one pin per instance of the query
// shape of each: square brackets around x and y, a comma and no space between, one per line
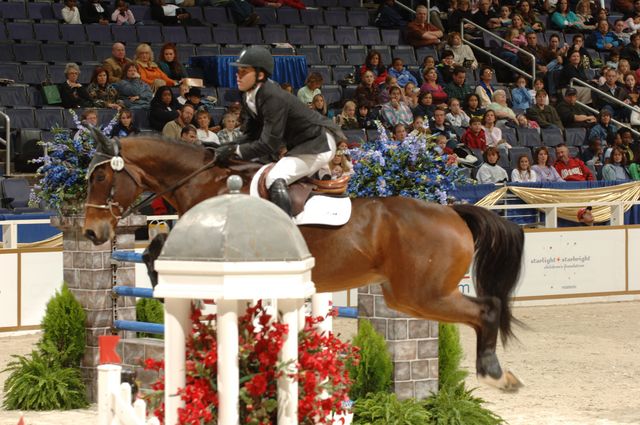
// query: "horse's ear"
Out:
[103,143]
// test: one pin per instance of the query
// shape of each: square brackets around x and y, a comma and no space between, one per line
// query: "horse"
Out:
[419,251]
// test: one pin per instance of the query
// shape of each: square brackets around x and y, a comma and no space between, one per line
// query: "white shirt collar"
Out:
[250,98]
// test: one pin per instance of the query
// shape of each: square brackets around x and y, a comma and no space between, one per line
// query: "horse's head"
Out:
[113,187]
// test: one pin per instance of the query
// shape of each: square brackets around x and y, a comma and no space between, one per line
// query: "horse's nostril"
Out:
[90,234]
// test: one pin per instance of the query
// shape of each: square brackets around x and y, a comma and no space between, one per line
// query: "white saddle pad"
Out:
[318,210]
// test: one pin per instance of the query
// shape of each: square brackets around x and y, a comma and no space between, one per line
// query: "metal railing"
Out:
[532,76]
[631,108]
[7,142]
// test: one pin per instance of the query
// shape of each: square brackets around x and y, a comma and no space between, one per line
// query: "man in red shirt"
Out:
[420,32]
[571,169]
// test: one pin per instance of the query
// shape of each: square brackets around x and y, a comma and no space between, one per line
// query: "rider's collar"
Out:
[250,98]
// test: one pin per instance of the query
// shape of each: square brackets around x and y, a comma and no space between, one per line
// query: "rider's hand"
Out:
[224,153]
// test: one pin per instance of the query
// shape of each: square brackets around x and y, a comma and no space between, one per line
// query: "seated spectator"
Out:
[624,68]
[573,115]
[411,92]
[520,96]
[530,17]
[569,168]
[125,126]
[456,116]
[565,20]
[70,12]
[427,62]
[419,32]
[366,118]
[620,31]
[634,170]
[385,88]
[583,12]
[492,133]
[399,132]
[542,55]
[462,10]
[578,46]
[395,111]
[311,87]
[430,85]
[573,68]
[390,16]
[339,166]
[474,136]
[441,147]
[510,53]
[183,89]
[287,87]
[103,94]
[631,87]
[486,16]
[163,108]
[204,133]
[418,129]
[170,64]
[171,14]
[347,118]
[523,172]
[373,63]
[524,122]
[72,93]
[585,216]
[628,145]
[499,106]
[132,91]
[173,128]
[367,93]
[401,74]
[484,89]
[472,106]
[439,125]
[462,54]
[593,155]
[605,130]
[195,99]
[545,115]
[458,87]
[616,166]
[543,169]
[229,132]
[631,51]
[425,106]
[122,15]
[446,67]
[116,62]
[149,71]
[319,105]
[490,171]
[504,15]
[612,88]
[602,39]
[538,84]
[95,12]
[189,134]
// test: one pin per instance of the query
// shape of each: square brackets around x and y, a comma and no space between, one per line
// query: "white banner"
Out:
[633,260]
[41,278]
[9,290]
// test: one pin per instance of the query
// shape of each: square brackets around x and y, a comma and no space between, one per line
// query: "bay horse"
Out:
[419,251]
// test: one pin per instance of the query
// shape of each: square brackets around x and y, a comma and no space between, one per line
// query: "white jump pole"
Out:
[320,306]
[288,386]
[228,370]
[177,325]
[108,383]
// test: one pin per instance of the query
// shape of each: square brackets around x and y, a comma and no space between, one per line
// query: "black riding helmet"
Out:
[257,57]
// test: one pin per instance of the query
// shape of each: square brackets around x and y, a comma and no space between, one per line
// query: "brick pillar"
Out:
[87,272]
[412,344]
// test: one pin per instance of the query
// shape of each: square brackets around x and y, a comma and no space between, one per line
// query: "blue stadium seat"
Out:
[528,137]
[149,34]
[49,117]
[358,17]
[20,30]
[3,31]
[103,51]
[385,54]
[509,134]
[27,51]
[283,51]
[124,33]
[56,73]
[46,31]
[217,112]
[312,17]
[350,3]
[369,36]
[232,49]
[225,34]
[299,35]
[22,117]
[228,96]
[551,136]
[405,53]
[13,10]
[355,137]
[14,95]
[323,70]
[81,52]
[75,33]
[216,15]
[35,96]
[288,16]
[17,188]
[249,35]
[98,33]
[199,35]
[34,73]
[336,16]
[105,115]
[174,34]
[274,34]
[326,3]
[422,52]
[57,10]
[390,37]
[141,13]
[267,15]
[10,70]
[332,55]
[332,94]
[346,36]
[141,118]
[340,72]
[575,136]
[322,35]
[312,53]
[185,51]
[208,50]
[39,10]
[196,13]
[356,55]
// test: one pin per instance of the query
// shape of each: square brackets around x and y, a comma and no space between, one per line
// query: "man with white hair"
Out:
[421,33]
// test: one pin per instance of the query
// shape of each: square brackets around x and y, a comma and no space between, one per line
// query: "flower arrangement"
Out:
[62,186]
[410,168]
[322,372]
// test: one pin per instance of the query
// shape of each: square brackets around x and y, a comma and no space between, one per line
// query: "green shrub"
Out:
[374,371]
[152,311]
[63,328]
[39,382]
[385,409]
[449,354]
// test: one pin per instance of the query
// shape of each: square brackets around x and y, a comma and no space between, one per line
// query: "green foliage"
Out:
[63,328]
[39,382]
[374,371]
[455,405]
[385,409]
[449,354]
[152,311]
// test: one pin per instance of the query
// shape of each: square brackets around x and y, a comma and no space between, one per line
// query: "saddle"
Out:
[301,190]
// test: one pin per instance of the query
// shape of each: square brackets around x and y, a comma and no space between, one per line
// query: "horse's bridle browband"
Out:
[110,203]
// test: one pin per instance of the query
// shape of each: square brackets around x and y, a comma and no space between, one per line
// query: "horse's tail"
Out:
[499,245]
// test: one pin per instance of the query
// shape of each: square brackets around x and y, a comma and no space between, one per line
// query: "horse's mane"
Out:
[173,143]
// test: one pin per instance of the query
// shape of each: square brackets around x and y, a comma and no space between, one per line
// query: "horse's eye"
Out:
[100,177]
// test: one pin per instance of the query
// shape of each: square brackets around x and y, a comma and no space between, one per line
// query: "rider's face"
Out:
[246,78]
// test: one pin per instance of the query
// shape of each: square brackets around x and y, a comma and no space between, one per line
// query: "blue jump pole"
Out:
[130,325]
[128,291]
[349,312]
[127,256]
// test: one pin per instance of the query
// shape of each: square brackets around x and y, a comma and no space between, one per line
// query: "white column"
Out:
[108,382]
[617,215]
[177,324]
[228,370]
[287,386]
[550,217]
[320,306]
[10,235]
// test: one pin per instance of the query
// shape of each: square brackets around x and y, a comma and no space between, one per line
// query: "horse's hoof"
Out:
[508,382]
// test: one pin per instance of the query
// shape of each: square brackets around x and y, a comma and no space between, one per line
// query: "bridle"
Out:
[118,164]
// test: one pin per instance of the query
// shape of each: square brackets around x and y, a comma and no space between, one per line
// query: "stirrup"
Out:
[279,195]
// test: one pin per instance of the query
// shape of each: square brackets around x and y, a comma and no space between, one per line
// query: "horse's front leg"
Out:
[151,253]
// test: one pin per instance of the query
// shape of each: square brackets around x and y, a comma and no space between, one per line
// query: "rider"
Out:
[273,118]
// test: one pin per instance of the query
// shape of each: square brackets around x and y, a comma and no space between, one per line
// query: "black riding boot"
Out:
[279,195]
